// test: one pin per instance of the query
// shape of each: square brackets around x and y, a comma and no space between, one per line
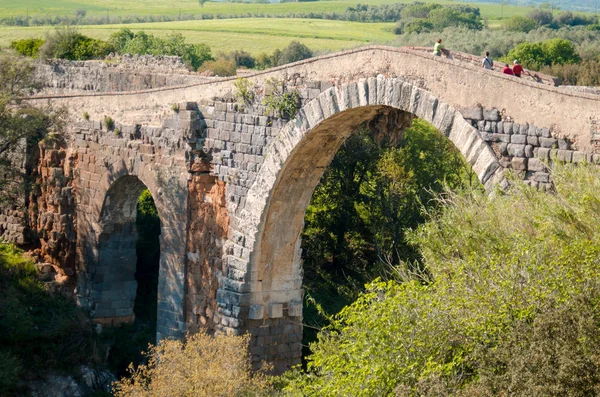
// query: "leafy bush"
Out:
[537,55]
[68,43]
[220,67]
[295,51]
[429,17]
[587,73]
[27,47]
[510,306]
[540,16]
[142,43]
[280,101]
[109,123]
[244,91]
[38,331]
[205,365]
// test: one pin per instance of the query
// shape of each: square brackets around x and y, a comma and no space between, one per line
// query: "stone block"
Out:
[564,155]
[528,151]
[543,177]
[545,132]
[520,139]
[516,150]
[579,157]
[507,127]
[295,309]
[564,144]
[491,115]
[519,163]
[524,129]
[473,113]
[275,310]
[257,312]
[548,143]
[536,165]
[500,138]
[533,140]
[532,131]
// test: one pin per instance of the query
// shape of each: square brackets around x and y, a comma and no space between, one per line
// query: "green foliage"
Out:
[220,67]
[510,306]
[280,101]
[294,52]
[21,125]
[540,16]
[587,73]
[109,123]
[368,198]
[175,107]
[520,24]
[68,43]
[430,17]
[537,55]
[86,115]
[38,331]
[27,47]
[141,43]
[244,91]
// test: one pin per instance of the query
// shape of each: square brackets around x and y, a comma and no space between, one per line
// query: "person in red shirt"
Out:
[517,68]
[507,70]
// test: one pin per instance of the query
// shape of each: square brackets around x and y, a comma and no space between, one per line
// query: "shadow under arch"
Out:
[273,215]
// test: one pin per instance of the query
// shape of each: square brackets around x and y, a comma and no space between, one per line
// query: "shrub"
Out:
[280,101]
[205,365]
[520,24]
[27,47]
[86,115]
[39,331]
[175,107]
[220,67]
[68,43]
[109,123]
[509,305]
[295,51]
[244,90]
[537,55]
[541,17]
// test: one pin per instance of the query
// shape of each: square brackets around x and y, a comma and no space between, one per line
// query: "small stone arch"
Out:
[110,285]
[271,220]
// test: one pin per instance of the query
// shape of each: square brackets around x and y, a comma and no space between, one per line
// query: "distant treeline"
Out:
[359,13]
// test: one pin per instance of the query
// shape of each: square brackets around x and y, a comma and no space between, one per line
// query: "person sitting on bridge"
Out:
[487,62]
[517,68]
[438,49]
[507,70]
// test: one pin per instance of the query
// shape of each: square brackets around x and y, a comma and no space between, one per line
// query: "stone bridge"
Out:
[231,184]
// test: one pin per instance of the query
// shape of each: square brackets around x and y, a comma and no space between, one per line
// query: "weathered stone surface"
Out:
[491,114]
[516,150]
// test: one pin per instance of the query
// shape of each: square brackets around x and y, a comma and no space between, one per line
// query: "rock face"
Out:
[231,183]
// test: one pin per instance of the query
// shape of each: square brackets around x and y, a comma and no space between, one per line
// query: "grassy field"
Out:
[250,34]
[159,7]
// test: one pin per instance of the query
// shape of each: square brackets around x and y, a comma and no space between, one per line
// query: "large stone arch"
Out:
[271,220]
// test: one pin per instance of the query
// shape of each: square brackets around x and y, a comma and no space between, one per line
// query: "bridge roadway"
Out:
[231,185]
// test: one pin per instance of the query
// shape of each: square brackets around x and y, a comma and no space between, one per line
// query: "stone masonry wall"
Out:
[526,149]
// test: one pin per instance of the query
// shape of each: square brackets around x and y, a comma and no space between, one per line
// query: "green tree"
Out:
[537,55]
[295,51]
[27,47]
[510,306]
[519,24]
